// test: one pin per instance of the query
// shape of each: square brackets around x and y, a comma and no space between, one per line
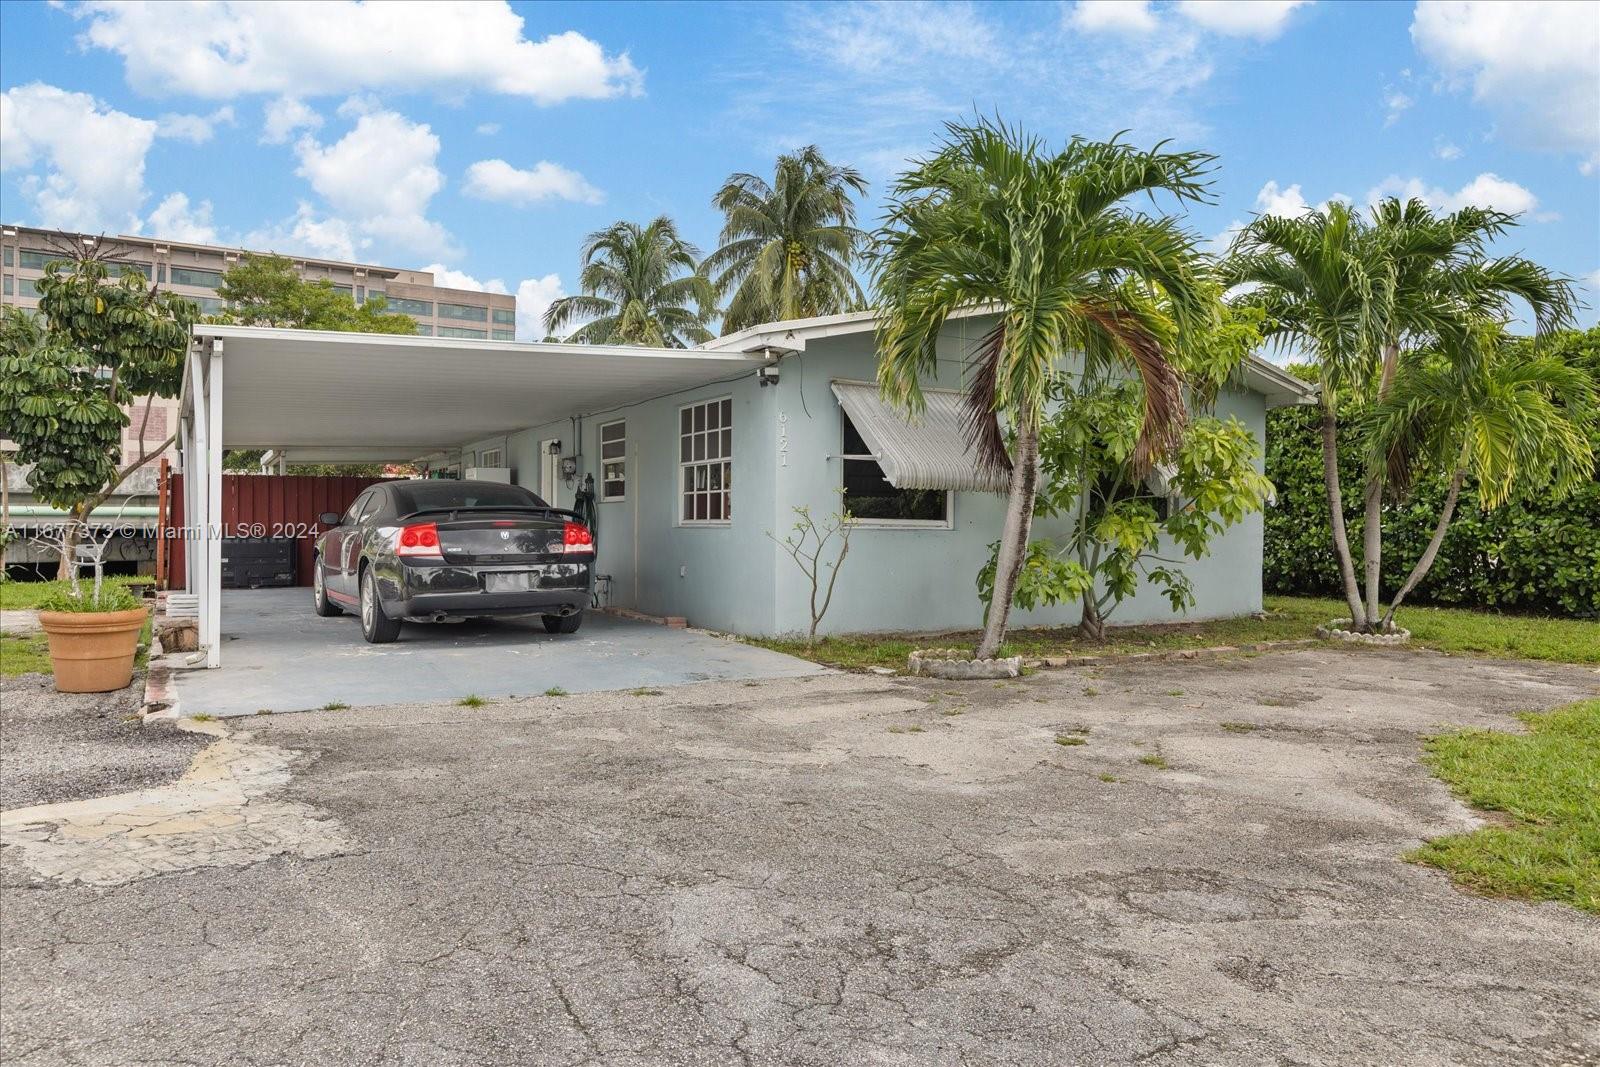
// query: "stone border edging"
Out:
[957,664]
[1055,662]
[1334,631]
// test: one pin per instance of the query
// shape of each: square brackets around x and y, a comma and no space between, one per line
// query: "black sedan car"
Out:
[431,550]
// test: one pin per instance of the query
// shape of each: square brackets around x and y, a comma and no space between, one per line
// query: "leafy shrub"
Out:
[114,596]
[1532,554]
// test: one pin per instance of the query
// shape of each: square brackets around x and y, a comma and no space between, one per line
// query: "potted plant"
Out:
[94,635]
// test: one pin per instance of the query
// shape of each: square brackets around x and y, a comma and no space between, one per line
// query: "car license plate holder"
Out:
[508,581]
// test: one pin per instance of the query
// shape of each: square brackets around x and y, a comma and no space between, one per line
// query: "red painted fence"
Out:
[266,505]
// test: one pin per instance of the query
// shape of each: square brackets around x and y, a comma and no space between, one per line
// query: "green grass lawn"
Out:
[18,595]
[1547,783]
[1444,629]
[24,654]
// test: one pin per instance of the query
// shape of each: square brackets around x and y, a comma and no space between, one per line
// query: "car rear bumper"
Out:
[557,589]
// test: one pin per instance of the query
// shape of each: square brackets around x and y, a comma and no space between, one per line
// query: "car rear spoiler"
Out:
[561,513]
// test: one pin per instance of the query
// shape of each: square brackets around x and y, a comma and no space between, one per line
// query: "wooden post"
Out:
[163,491]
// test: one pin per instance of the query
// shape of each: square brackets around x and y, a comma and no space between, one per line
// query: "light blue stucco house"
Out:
[690,485]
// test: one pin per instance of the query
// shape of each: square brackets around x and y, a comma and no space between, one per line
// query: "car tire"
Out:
[319,592]
[376,627]
[563,624]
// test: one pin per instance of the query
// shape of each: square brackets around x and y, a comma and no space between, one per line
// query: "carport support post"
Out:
[186,460]
[213,606]
[194,485]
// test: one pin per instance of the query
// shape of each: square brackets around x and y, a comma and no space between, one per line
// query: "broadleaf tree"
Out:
[992,219]
[265,290]
[1124,527]
[67,376]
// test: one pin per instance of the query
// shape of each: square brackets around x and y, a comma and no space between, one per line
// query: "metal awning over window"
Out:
[926,452]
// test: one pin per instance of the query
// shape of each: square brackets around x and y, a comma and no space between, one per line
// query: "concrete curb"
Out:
[673,622]
[1059,662]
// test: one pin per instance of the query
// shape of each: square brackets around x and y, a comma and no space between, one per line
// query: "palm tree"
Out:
[1308,275]
[787,248]
[1507,416]
[640,285]
[994,220]
[1360,295]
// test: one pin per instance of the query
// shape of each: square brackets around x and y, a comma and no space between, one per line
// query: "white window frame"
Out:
[499,455]
[600,447]
[684,465]
[946,523]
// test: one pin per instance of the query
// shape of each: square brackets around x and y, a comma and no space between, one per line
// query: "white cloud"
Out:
[307,235]
[1116,16]
[488,129]
[381,176]
[1273,199]
[82,162]
[1535,65]
[1487,190]
[495,179]
[1396,102]
[1446,150]
[867,37]
[196,129]
[176,220]
[1289,203]
[1262,19]
[227,49]
[284,116]
[534,296]
[449,278]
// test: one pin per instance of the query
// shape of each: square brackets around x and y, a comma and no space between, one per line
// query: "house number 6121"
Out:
[783,439]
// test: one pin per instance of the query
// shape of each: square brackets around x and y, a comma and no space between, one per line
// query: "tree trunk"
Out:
[68,570]
[1013,539]
[1372,547]
[1092,627]
[5,505]
[1420,571]
[1341,536]
[1372,529]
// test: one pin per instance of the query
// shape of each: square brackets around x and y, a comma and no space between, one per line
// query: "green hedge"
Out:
[1529,555]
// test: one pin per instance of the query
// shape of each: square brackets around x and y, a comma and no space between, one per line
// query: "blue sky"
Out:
[485,140]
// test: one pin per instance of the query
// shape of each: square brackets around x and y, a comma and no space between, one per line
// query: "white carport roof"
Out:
[328,396]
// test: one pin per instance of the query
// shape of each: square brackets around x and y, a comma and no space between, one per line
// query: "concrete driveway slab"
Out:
[279,656]
[844,870]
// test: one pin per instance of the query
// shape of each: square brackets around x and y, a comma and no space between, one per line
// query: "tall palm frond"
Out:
[994,220]
[788,248]
[639,285]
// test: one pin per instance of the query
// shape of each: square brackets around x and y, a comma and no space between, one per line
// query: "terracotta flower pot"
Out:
[92,651]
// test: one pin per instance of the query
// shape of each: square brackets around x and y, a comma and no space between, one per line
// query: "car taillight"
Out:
[575,537]
[419,540]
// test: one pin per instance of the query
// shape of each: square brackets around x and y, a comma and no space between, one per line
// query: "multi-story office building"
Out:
[195,271]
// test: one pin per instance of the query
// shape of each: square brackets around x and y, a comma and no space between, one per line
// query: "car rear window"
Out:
[423,496]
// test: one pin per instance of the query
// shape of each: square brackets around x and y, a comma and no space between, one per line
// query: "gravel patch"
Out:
[73,746]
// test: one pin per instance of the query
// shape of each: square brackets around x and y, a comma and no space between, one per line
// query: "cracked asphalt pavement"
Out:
[844,870]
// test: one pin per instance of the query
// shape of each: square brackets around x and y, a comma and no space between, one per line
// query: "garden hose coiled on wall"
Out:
[583,505]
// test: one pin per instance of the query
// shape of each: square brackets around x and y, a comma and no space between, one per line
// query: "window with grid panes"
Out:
[614,460]
[705,461]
